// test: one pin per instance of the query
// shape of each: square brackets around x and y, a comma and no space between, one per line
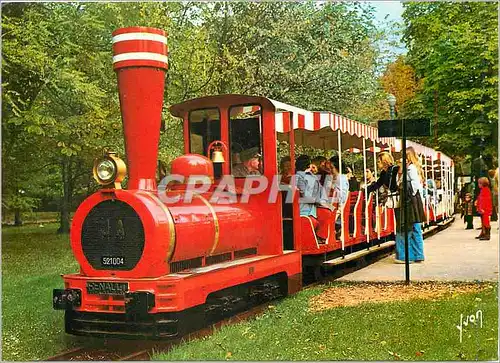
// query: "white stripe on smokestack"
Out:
[140,36]
[140,56]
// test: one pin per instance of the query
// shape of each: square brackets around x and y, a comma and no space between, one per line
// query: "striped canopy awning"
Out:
[424,150]
[319,129]
[317,120]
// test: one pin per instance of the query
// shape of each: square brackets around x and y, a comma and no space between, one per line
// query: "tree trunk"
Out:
[66,199]
[17,218]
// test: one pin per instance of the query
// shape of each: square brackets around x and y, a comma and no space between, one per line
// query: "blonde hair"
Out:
[411,155]
[485,182]
[386,159]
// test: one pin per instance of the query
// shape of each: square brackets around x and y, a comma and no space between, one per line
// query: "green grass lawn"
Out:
[411,330]
[32,217]
[33,258]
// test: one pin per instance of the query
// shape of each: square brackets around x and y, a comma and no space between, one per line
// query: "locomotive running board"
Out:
[353,256]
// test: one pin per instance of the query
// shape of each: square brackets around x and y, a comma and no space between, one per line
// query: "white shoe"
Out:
[400,261]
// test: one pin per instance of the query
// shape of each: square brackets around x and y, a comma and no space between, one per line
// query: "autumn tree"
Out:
[400,80]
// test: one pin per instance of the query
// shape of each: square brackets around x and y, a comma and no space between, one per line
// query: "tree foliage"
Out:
[453,48]
[59,101]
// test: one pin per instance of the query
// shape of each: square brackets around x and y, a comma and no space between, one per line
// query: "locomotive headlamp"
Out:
[106,170]
[110,170]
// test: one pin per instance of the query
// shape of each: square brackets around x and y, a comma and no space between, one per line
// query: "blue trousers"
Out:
[417,241]
[415,244]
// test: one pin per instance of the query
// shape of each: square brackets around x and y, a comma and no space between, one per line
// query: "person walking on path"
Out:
[484,206]
[468,211]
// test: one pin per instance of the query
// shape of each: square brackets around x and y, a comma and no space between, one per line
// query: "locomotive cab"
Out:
[246,127]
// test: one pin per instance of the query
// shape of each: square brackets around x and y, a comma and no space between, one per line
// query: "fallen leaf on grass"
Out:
[420,353]
[228,355]
[461,355]
[395,355]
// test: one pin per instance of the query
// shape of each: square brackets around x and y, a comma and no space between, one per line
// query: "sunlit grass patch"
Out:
[33,258]
[404,330]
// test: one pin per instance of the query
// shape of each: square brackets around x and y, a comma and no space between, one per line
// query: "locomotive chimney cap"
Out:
[140,47]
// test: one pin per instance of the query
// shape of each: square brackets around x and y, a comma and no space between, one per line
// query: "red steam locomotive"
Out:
[158,262]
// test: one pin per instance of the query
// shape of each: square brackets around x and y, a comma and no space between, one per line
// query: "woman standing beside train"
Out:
[389,179]
[416,207]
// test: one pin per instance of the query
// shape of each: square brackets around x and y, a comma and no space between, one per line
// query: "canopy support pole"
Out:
[366,193]
[435,201]
[377,224]
[426,187]
[452,167]
[341,207]
[443,186]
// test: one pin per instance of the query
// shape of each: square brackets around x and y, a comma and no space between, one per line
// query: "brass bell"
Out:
[217,157]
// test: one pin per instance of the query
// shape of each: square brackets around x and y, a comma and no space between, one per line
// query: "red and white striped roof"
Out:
[140,47]
[424,150]
[316,120]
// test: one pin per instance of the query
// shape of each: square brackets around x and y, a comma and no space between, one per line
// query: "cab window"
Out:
[204,127]
[245,133]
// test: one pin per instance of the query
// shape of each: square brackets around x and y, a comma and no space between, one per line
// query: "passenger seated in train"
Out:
[387,178]
[312,202]
[340,190]
[370,178]
[324,173]
[353,182]
[250,163]
[236,149]
[285,170]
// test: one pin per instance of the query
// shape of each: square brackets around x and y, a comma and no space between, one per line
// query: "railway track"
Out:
[130,350]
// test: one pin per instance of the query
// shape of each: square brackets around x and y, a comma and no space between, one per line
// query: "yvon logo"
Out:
[470,319]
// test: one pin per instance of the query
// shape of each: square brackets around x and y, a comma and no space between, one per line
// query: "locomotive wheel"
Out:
[319,273]
[227,302]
